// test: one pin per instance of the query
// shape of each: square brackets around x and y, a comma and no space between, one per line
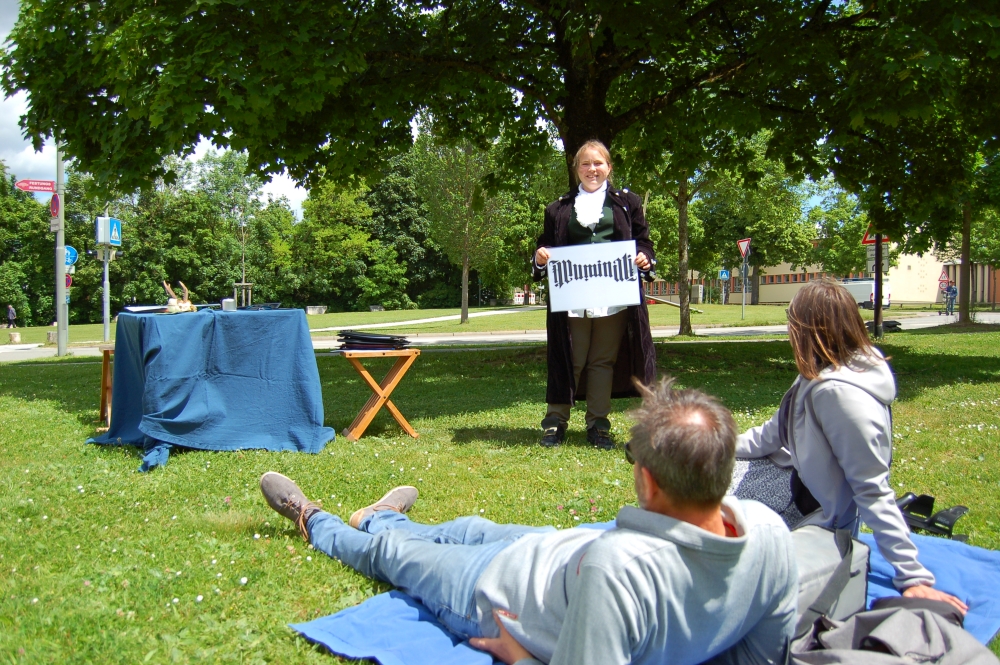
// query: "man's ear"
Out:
[648,489]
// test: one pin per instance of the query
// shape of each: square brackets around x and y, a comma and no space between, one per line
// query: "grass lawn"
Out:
[187,564]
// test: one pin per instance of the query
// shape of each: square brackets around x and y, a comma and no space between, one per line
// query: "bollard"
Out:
[15,338]
[51,337]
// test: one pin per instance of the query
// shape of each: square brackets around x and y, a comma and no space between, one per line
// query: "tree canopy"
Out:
[324,87]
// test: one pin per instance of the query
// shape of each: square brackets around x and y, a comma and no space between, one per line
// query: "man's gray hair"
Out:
[687,441]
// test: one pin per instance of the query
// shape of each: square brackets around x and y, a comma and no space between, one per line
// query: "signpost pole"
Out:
[743,310]
[106,255]
[62,309]
[877,304]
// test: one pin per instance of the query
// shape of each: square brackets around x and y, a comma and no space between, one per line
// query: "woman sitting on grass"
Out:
[834,429]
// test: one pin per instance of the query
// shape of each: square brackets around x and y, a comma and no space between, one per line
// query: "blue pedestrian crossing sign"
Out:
[116,233]
[108,231]
[723,275]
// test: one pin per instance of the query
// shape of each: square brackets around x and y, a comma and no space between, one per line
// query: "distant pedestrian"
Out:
[11,316]
[950,294]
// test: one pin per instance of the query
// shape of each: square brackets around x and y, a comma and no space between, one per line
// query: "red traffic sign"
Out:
[36,185]
[69,281]
[869,239]
[744,246]
[944,276]
[54,205]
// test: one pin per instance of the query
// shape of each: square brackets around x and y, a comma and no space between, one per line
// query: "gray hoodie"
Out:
[653,590]
[840,442]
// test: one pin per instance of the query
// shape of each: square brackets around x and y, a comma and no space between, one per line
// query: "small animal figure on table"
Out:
[175,304]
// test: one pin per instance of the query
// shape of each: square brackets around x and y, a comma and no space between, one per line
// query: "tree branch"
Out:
[524,83]
[651,106]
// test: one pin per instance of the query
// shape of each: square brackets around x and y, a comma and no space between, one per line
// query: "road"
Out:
[478,340]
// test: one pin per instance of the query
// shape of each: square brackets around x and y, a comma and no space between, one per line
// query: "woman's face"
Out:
[593,170]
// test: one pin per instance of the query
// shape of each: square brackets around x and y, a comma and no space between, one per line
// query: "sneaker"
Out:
[285,497]
[601,438]
[553,436]
[398,499]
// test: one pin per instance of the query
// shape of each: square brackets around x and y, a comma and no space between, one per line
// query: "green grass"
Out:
[100,545]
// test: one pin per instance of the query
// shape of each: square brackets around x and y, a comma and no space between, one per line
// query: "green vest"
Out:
[603,232]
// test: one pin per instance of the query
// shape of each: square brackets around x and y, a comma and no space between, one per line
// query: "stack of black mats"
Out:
[358,341]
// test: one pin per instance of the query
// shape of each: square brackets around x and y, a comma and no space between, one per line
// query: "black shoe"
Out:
[553,436]
[601,438]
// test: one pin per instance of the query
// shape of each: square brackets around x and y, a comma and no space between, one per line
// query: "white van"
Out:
[863,291]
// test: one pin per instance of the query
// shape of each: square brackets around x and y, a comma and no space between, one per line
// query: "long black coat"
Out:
[636,355]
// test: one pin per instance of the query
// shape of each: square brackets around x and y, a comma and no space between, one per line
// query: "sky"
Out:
[22,160]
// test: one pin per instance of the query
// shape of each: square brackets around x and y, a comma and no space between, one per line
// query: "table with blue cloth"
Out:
[215,380]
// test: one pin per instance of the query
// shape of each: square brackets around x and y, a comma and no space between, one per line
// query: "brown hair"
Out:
[687,441]
[825,328]
[591,145]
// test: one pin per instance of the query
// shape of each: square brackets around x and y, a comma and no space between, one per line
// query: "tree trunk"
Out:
[965,270]
[755,286]
[682,258]
[465,288]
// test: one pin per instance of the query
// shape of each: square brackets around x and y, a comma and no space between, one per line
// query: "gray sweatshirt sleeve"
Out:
[845,413]
[759,441]
[598,637]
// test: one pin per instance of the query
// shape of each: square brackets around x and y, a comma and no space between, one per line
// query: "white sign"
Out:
[590,276]
[744,246]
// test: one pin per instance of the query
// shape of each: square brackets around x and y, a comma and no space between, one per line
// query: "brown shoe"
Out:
[285,497]
[398,499]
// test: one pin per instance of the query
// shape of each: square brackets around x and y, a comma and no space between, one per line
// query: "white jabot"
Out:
[589,206]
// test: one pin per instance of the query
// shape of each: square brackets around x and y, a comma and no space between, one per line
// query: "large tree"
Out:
[326,87]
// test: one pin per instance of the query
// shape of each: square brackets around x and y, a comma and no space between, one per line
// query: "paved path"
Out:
[436,319]
[11,353]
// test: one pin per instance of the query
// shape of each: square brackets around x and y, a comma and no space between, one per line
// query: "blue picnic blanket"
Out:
[215,380]
[971,573]
[394,629]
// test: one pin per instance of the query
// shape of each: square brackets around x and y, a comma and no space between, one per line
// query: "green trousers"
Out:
[595,348]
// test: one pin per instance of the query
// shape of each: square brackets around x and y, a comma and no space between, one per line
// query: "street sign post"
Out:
[869,238]
[69,281]
[943,280]
[36,185]
[54,205]
[744,247]
[108,233]
[62,298]
[724,275]
[71,255]
[871,257]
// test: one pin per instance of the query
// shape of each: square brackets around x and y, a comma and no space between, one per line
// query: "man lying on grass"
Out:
[687,577]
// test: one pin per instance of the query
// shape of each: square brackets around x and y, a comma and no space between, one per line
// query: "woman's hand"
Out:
[541,256]
[642,261]
[505,647]
[930,593]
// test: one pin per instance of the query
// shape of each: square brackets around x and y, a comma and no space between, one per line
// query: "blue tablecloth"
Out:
[216,381]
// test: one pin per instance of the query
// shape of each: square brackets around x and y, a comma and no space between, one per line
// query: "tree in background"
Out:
[464,219]
[399,220]
[840,225]
[763,203]
[27,253]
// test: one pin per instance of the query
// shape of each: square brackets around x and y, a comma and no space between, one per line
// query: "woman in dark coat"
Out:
[593,354]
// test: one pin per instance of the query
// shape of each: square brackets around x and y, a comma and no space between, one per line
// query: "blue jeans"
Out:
[438,565]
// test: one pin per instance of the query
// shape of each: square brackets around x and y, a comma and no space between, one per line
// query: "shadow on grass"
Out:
[506,436]
[746,377]
[957,328]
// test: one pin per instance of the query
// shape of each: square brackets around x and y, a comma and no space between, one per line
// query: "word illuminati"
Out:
[620,270]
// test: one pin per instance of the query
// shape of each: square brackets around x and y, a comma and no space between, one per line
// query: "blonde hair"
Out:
[825,328]
[593,144]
